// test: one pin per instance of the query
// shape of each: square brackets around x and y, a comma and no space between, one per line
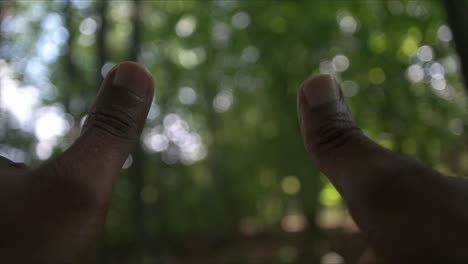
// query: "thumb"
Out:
[119,112]
[118,115]
[110,133]
[391,197]
[332,139]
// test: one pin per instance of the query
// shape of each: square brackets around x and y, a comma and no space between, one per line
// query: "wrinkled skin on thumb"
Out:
[55,213]
[393,199]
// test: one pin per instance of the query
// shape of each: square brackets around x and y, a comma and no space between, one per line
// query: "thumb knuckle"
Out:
[334,132]
[115,121]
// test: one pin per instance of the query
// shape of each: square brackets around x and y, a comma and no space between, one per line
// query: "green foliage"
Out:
[242,167]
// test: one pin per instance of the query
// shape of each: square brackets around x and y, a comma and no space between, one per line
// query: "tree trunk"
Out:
[101,40]
[456,17]
[137,169]
[4,118]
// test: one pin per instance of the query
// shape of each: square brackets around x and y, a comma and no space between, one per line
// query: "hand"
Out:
[408,212]
[54,214]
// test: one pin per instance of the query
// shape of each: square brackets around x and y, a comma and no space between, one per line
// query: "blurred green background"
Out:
[221,175]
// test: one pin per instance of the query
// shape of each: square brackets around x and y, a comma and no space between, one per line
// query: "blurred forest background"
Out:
[221,175]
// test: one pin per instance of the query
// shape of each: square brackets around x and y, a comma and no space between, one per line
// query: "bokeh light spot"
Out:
[350,88]
[221,34]
[444,33]
[106,68]
[456,126]
[44,150]
[340,63]
[186,26]
[250,54]
[88,26]
[439,83]
[294,223]
[291,185]
[425,53]
[187,95]
[409,46]
[332,258]
[128,162]
[348,24]
[240,20]
[378,42]
[223,101]
[329,196]
[415,73]
[50,123]
[376,76]
[327,67]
